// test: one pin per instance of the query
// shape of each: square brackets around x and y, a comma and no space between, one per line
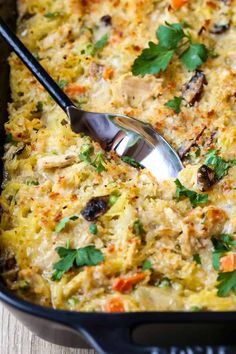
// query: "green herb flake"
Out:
[131,162]
[32,182]
[93,229]
[62,223]
[8,138]
[24,285]
[227,283]
[85,152]
[138,228]
[219,165]
[39,107]
[99,162]
[62,84]
[194,198]
[221,244]
[170,35]
[146,265]
[197,258]
[73,301]
[174,104]
[101,42]
[52,14]
[85,256]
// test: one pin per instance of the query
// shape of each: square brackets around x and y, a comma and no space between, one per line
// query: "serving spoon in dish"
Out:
[128,137]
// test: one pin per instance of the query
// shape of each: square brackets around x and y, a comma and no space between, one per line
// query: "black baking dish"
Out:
[127,333]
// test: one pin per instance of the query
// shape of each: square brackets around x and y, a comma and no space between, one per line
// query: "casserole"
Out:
[103,330]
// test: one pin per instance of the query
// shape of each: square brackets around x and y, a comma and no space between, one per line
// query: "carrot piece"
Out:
[73,89]
[114,305]
[177,4]
[107,73]
[124,285]
[228,263]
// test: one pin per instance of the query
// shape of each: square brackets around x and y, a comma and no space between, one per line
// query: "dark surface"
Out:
[127,333]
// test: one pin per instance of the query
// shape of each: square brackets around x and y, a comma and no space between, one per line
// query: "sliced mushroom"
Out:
[107,20]
[8,265]
[94,208]
[205,178]
[55,161]
[187,145]
[192,90]
[220,28]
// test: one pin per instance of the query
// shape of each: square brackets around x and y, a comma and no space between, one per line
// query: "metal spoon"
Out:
[124,135]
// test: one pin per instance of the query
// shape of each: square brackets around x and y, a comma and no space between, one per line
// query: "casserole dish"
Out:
[149,332]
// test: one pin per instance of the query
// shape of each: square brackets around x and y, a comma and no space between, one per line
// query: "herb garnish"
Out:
[101,42]
[98,162]
[227,282]
[131,162]
[194,198]
[137,228]
[85,256]
[146,265]
[174,104]
[85,152]
[62,223]
[197,258]
[62,84]
[222,244]
[219,165]
[157,57]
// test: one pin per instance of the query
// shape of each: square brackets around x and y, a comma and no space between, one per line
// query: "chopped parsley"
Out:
[137,228]
[39,107]
[131,162]
[146,265]
[85,152]
[219,165]
[101,42]
[174,104]
[194,198]
[52,14]
[8,138]
[197,258]
[227,283]
[99,162]
[62,223]
[93,229]
[85,256]
[221,244]
[62,84]
[170,37]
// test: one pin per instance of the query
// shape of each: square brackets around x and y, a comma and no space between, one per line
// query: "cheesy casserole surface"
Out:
[80,228]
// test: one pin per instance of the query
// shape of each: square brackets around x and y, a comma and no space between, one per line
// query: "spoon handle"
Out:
[32,64]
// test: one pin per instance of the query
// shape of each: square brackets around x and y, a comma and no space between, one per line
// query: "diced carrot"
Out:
[177,4]
[124,285]
[228,263]
[107,73]
[114,305]
[73,89]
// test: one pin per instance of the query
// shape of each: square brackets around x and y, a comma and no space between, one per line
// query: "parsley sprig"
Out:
[221,244]
[219,165]
[172,39]
[194,198]
[85,256]
[227,282]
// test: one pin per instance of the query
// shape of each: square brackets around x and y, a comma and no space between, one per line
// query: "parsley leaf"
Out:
[152,60]
[169,36]
[197,258]
[131,162]
[146,265]
[85,256]
[62,84]
[98,162]
[85,152]
[101,42]
[194,56]
[62,223]
[222,244]
[195,198]
[174,104]
[157,57]
[227,282]
[219,165]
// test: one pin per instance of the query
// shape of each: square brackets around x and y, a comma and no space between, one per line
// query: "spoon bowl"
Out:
[128,137]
